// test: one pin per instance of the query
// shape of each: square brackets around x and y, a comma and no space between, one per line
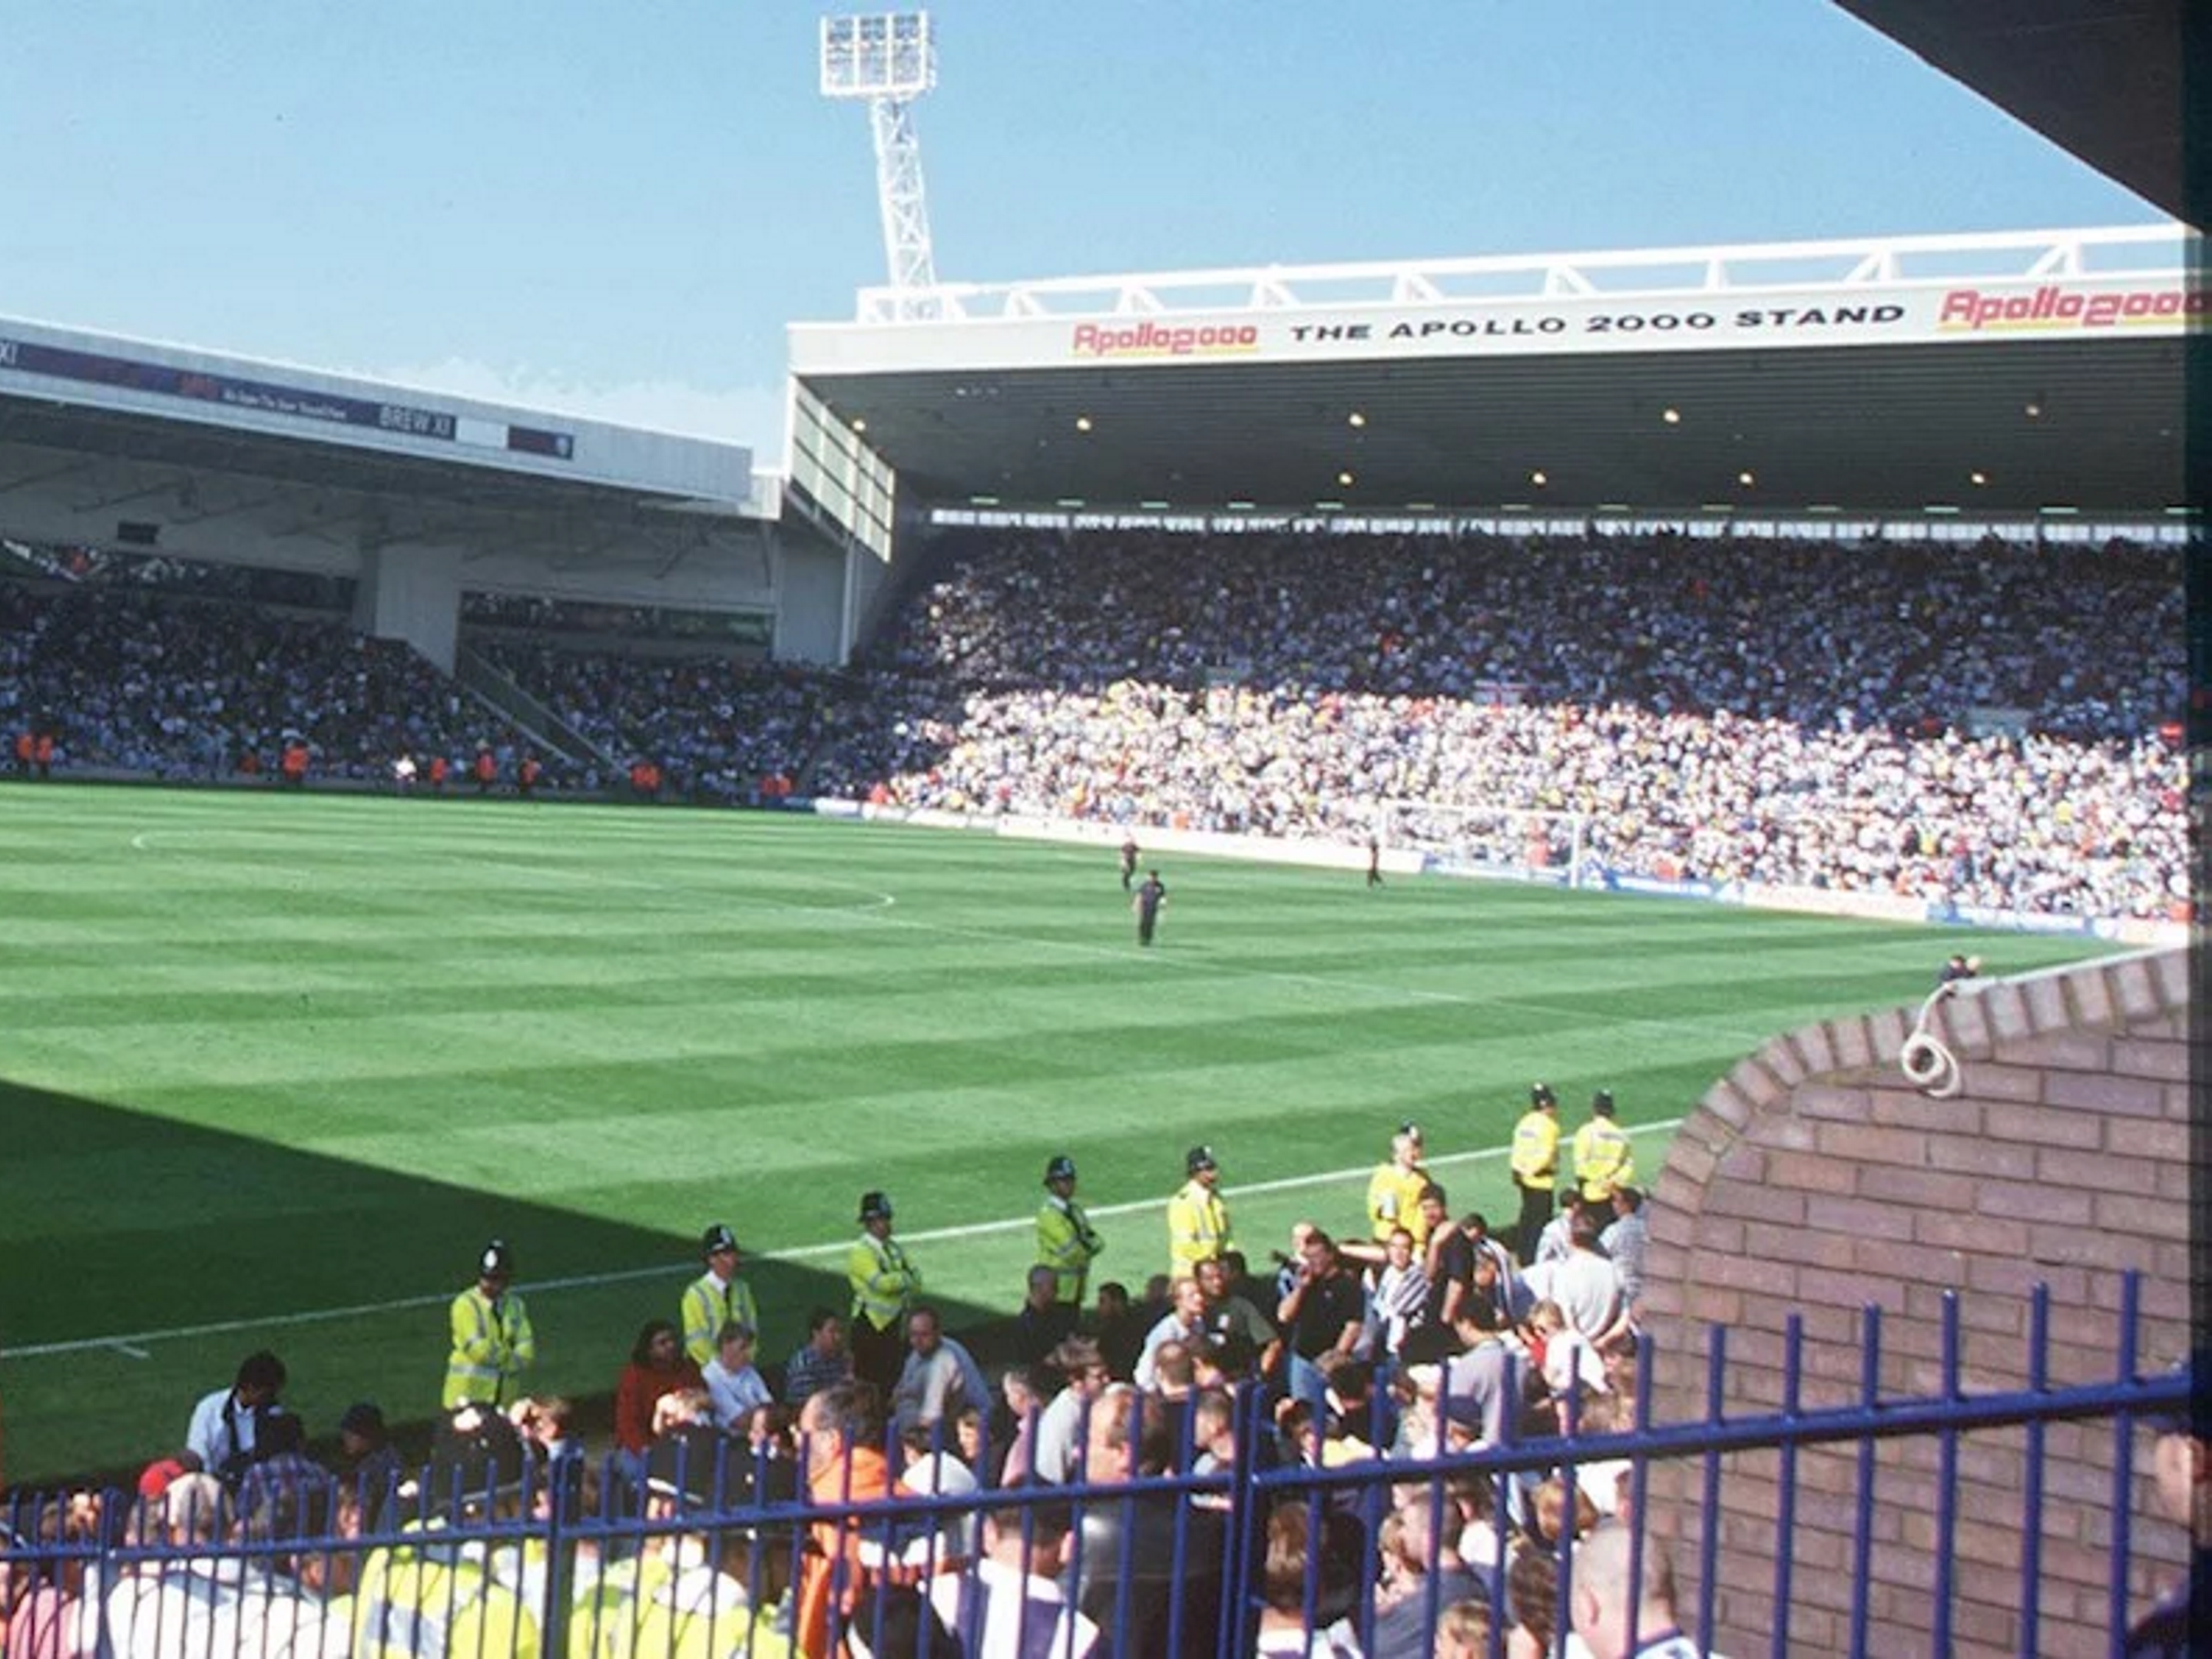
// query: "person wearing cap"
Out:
[2181,1467]
[1198,1216]
[1066,1243]
[1394,1192]
[1603,1158]
[492,1342]
[717,1297]
[885,1284]
[1535,1167]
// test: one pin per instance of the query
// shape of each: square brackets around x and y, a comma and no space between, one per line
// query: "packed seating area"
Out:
[1787,713]
[719,728]
[92,567]
[134,680]
[1995,724]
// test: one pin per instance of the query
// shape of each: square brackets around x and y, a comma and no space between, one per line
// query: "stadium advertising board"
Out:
[100,370]
[1329,854]
[1960,312]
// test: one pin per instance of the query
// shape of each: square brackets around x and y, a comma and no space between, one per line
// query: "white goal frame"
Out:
[1509,843]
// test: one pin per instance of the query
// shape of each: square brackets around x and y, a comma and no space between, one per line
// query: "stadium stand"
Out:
[1936,724]
[728,733]
[1983,738]
[143,680]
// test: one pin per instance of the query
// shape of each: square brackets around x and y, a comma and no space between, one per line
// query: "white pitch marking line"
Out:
[129,1344]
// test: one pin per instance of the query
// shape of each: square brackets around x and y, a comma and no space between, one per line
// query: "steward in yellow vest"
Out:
[1198,1216]
[1394,1192]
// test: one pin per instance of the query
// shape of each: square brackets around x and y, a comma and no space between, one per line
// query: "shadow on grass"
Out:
[141,1258]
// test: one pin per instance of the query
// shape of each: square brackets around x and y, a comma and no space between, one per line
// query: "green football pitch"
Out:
[277,1065]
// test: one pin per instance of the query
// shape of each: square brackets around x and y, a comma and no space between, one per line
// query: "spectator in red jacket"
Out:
[658,1366]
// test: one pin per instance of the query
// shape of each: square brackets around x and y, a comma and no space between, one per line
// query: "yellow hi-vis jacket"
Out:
[883,1281]
[434,1600]
[1603,1158]
[1197,1227]
[648,1609]
[1066,1243]
[493,1345]
[1393,1200]
[1537,1150]
[707,1304]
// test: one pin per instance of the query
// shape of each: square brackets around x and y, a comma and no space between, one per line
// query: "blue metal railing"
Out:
[555,1559]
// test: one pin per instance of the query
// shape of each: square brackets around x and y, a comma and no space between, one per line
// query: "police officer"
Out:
[1535,1167]
[885,1285]
[1066,1243]
[1198,1216]
[717,1297]
[493,1343]
[1603,1158]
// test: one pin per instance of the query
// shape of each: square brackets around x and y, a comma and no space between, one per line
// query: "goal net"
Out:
[1516,844]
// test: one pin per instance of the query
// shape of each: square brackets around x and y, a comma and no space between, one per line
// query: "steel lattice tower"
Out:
[890,59]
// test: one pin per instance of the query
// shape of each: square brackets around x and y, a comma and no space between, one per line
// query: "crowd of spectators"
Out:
[1813,633]
[1993,725]
[1412,1339]
[187,689]
[91,567]
[1997,726]
[721,729]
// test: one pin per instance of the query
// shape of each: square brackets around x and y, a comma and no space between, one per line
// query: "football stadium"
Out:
[1469,956]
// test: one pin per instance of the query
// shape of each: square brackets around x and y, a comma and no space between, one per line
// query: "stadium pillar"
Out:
[412,592]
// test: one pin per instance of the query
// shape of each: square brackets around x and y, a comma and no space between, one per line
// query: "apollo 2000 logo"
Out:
[1151,339]
[2053,308]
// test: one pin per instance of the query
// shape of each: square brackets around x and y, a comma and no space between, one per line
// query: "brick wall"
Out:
[1814,1179]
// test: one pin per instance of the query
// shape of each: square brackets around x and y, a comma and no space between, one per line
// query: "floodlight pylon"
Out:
[890,59]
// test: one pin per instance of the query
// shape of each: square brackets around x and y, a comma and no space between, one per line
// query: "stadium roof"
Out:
[115,442]
[1994,376]
[2101,78]
[99,398]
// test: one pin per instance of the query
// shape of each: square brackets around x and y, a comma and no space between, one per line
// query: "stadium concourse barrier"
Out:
[2156,932]
[486,1556]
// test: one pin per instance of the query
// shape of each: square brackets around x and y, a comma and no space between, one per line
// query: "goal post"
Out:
[1510,843]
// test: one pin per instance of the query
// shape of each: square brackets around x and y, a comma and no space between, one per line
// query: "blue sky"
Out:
[614,209]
